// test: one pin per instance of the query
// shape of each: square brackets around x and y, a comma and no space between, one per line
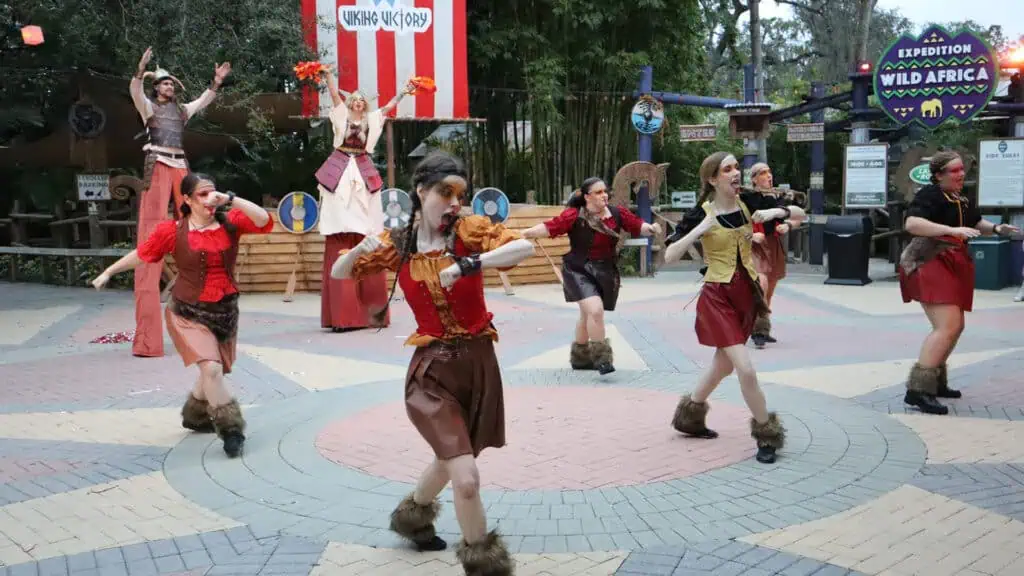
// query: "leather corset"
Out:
[166,127]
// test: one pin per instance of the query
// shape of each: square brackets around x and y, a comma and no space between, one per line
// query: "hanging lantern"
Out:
[32,35]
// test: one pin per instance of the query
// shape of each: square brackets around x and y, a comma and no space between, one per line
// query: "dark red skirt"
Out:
[726,312]
[350,303]
[948,278]
[770,257]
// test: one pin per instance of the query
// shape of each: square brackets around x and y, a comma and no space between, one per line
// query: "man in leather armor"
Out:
[165,166]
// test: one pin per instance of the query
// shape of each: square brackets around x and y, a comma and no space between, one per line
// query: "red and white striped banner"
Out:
[377,45]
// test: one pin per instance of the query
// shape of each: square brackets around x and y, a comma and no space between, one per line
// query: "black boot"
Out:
[690,418]
[195,415]
[770,436]
[762,329]
[230,426]
[579,357]
[415,522]
[601,353]
[943,390]
[489,557]
[922,385]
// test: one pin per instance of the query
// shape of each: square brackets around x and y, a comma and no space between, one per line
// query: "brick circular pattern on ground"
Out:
[571,438]
[838,455]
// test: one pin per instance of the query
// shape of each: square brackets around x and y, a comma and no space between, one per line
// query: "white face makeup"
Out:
[597,198]
[197,200]
[441,203]
[727,181]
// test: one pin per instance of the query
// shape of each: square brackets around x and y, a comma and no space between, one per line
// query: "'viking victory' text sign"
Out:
[936,77]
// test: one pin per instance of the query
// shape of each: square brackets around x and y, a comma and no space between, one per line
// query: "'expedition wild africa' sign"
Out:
[936,77]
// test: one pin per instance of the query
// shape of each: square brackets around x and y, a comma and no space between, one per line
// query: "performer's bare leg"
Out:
[197,391]
[747,376]
[720,368]
[431,482]
[582,336]
[947,325]
[212,375]
[592,310]
[469,509]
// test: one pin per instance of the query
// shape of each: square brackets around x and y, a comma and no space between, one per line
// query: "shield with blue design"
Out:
[492,203]
[298,212]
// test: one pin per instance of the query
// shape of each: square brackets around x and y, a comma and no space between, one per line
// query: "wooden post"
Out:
[391,152]
[19,233]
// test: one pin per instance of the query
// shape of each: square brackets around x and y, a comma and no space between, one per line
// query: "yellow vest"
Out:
[720,246]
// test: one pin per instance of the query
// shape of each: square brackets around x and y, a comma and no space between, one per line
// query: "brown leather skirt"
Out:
[582,280]
[454,398]
[770,257]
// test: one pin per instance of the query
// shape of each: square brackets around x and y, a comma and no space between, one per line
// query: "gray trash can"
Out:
[848,244]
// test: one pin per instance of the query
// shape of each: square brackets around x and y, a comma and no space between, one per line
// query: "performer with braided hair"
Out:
[453,390]
[769,254]
[730,298]
[936,270]
[202,317]
[165,118]
[350,206]
[590,272]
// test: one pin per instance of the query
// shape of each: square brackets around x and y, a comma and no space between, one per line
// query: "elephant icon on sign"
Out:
[931,108]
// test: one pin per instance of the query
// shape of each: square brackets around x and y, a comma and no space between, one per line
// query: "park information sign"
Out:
[1001,172]
[865,178]
[935,77]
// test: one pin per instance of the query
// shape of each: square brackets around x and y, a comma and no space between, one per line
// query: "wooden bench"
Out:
[69,254]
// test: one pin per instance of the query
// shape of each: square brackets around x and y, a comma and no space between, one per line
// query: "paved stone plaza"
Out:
[97,477]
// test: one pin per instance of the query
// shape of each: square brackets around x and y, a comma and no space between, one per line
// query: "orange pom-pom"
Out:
[423,84]
[309,70]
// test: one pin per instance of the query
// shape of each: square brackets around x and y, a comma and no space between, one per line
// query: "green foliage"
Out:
[567,67]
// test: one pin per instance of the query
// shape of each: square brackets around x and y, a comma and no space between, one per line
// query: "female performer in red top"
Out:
[936,270]
[590,272]
[453,390]
[202,317]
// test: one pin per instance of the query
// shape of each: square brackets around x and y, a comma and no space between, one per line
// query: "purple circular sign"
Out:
[936,77]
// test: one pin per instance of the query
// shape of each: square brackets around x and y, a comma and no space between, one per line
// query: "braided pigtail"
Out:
[407,237]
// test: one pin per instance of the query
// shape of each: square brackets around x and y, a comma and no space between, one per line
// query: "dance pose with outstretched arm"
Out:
[202,317]
[350,206]
[730,298]
[590,272]
[453,391]
[936,270]
[165,118]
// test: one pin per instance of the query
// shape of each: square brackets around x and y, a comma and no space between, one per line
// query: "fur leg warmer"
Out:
[195,415]
[227,419]
[601,352]
[579,357]
[763,324]
[924,380]
[769,434]
[415,521]
[488,557]
[690,417]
